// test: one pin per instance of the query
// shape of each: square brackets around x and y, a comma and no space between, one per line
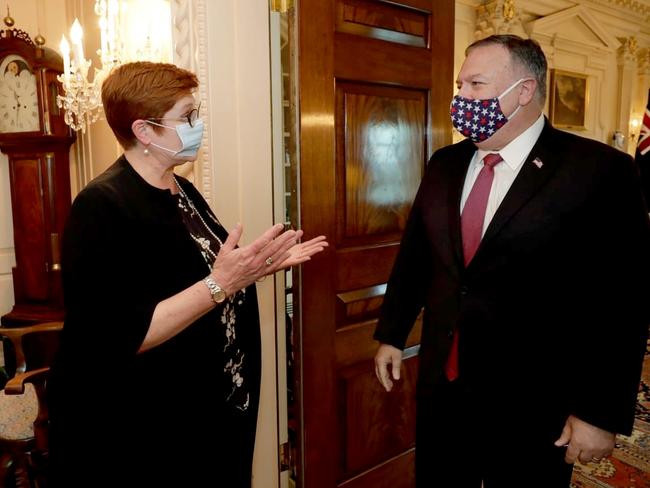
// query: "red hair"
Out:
[142,90]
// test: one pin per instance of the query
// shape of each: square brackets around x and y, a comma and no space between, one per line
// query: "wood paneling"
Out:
[357,305]
[354,343]
[373,108]
[381,151]
[378,61]
[441,68]
[29,222]
[362,266]
[316,381]
[374,424]
[388,22]
[396,472]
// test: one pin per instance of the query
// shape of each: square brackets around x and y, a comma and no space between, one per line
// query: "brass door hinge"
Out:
[281,6]
[285,457]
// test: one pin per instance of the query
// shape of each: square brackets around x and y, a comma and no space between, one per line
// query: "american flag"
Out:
[643,152]
[644,134]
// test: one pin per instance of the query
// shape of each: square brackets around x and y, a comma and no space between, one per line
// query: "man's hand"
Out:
[387,355]
[586,442]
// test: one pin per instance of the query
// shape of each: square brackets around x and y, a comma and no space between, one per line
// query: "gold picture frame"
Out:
[569,99]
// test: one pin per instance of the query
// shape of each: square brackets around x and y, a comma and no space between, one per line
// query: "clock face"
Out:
[18,96]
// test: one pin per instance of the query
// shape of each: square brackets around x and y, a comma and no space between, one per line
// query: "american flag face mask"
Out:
[479,119]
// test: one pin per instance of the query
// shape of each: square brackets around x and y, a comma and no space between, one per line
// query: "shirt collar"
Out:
[516,151]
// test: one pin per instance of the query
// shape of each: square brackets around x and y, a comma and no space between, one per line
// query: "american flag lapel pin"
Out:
[538,162]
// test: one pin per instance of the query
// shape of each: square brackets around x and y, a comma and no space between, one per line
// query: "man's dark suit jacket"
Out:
[554,308]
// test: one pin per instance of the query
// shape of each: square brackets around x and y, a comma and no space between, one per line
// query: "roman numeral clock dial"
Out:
[18,96]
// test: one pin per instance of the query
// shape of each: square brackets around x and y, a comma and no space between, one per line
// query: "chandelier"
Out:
[124,37]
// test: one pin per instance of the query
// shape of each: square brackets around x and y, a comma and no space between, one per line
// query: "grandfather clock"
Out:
[37,142]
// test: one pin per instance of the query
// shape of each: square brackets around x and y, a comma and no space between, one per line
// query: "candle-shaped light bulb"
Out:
[76,35]
[76,32]
[65,52]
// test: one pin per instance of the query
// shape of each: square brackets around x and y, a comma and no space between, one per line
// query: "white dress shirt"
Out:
[514,154]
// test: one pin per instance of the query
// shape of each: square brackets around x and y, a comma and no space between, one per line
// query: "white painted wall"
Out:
[240,144]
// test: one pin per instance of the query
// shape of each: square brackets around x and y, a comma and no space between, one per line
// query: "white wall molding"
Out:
[499,17]
[576,26]
[574,39]
[189,32]
[237,69]
[627,78]
[640,8]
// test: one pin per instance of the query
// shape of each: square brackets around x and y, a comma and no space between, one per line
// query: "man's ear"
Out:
[527,91]
[140,130]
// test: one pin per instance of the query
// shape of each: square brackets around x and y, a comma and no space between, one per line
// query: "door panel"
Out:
[381,147]
[374,426]
[396,472]
[388,22]
[375,84]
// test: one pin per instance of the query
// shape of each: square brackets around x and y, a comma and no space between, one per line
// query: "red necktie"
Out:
[471,222]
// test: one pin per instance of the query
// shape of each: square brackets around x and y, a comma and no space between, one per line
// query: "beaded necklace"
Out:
[234,368]
[204,245]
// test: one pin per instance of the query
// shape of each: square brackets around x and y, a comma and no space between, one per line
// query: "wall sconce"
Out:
[130,30]
[635,124]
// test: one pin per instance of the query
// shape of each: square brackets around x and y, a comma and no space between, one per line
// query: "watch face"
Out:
[219,296]
[18,96]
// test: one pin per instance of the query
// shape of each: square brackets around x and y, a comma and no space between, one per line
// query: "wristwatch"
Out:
[218,295]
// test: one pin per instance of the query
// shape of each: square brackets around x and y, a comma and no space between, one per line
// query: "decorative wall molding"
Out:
[643,57]
[627,53]
[189,35]
[637,7]
[497,17]
[574,39]
[586,31]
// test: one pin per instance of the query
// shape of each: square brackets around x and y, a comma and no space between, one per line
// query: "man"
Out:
[528,249]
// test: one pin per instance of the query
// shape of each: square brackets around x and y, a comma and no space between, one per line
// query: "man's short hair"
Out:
[526,52]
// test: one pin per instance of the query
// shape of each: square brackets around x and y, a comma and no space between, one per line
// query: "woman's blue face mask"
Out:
[190,136]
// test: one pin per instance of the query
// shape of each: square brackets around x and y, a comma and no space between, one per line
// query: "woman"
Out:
[160,351]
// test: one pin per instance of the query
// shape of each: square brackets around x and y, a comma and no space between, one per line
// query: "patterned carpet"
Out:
[629,465]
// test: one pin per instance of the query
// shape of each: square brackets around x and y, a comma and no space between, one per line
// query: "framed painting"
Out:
[569,98]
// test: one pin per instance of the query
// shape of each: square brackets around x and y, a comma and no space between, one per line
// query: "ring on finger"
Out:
[269,261]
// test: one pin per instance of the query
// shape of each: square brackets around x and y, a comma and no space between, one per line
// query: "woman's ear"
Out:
[140,130]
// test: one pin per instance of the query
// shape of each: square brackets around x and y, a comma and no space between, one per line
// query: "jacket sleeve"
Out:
[616,267]
[108,304]
[406,290]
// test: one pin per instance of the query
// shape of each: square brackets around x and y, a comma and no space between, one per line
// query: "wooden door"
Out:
[375,86]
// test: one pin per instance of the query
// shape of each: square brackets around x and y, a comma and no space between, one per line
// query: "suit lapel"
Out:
[458,170]
[530,179]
